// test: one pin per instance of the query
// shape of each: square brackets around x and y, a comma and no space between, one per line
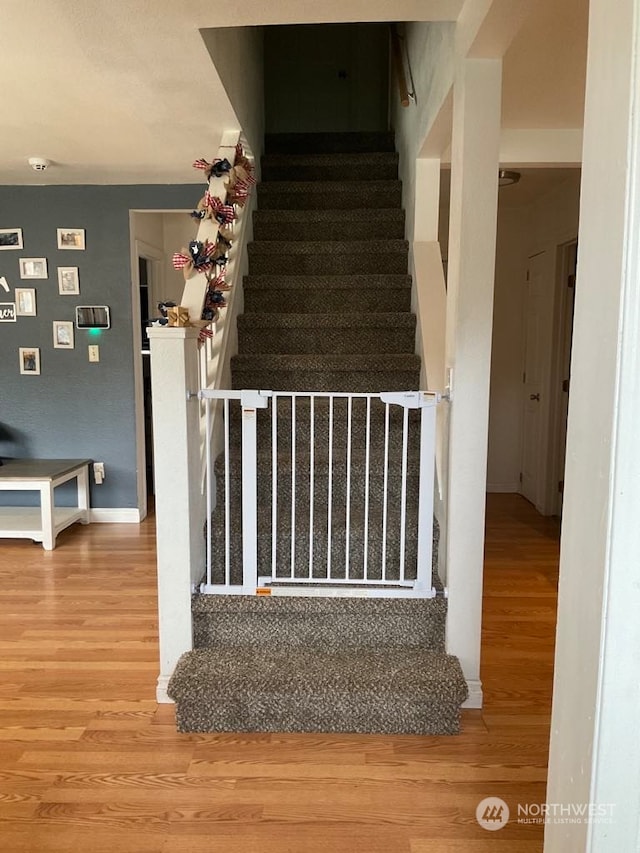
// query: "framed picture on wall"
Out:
[68,281]
[71,238]
[25,302]
[33,268]
[30,360]
[10,238]
[62,334]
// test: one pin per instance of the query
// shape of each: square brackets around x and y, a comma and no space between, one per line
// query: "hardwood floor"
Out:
[90,763]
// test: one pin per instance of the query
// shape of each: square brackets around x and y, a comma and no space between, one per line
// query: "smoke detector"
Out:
[39,164]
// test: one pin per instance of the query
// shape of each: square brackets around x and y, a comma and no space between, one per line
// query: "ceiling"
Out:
[115,92]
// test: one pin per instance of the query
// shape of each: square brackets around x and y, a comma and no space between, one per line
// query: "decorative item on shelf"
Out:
[178,316]
[163,319]
[197,257]
[217,169]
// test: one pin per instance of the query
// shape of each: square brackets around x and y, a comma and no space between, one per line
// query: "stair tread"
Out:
[354,362]
[312,247]
[403,319]
[328,282]
[328,215]
[341,157]
[312,187]
[293,670]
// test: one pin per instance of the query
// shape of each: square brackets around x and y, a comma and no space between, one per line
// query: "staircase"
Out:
[327,308]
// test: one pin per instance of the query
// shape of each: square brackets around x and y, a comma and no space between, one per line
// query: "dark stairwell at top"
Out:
[327,307]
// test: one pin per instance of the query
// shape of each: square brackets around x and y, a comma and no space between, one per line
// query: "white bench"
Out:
[43,523]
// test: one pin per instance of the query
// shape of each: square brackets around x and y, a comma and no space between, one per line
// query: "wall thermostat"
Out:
[93,317]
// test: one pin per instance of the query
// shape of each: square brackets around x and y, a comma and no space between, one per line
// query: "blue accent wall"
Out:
[74,408]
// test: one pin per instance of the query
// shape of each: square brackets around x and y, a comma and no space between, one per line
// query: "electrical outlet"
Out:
[98,472]
[94,353]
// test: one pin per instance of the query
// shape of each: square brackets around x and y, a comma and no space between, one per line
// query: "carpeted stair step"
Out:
[365,166]
[329,143]
[317,294]
[328,258]
[355,373]
[382,690]
[337,466]
[326,333]
[329,555]
[328,195]
[337,426]
[270,621]
[367,224]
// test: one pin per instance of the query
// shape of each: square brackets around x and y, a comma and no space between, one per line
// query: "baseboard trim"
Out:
[162,697]
[475,694]
[503,488]
[114,515]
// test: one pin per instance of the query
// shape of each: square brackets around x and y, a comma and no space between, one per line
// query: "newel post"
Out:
[179,502]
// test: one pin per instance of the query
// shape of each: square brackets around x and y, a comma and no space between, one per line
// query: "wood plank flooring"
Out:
[89,762]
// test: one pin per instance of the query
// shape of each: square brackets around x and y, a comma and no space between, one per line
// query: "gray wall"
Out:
[74,408]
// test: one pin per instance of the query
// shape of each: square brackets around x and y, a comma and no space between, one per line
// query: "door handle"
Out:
[534,397]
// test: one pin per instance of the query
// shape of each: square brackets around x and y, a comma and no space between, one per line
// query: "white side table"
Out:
[42,524]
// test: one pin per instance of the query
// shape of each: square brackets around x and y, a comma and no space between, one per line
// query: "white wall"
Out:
[237,53]
[595,748]
[178,229]
[505,408]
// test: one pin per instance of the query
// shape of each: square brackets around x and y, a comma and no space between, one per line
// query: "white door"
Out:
[532,474]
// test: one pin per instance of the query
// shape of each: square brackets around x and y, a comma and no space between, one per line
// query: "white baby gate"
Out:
[320,493]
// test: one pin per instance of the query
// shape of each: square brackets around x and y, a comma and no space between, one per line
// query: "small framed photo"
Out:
[71,238]
[11,238]
[33,268]
[30,360]
[68,281]
[25,302]
[62,334]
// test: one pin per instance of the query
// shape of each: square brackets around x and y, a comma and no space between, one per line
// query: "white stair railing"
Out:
[309,524]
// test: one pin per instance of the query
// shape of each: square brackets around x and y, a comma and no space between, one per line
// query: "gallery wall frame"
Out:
[68,281]
[71,238]
[26,302]
[63,334]
[33,268]
[11,238]
[29,360]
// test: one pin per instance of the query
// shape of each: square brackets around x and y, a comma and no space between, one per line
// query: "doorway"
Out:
[568,257]
[147,284]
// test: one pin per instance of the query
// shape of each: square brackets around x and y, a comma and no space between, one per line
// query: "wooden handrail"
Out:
[398,64]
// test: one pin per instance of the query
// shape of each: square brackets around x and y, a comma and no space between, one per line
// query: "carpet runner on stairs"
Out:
[327,308]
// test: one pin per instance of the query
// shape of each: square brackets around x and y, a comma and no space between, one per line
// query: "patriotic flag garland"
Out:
[197,257]
[211,258]
[217,169]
